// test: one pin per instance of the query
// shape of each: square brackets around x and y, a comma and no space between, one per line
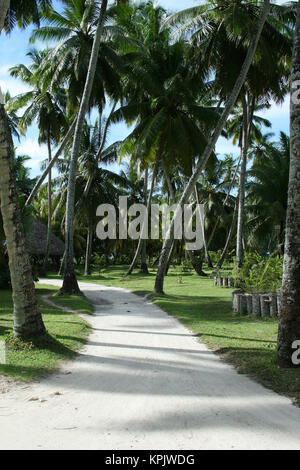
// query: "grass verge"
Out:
[74,302]
[244,341]
[67,333]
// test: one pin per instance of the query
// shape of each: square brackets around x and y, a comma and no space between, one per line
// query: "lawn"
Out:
[71,301]
[246,342]
[67,333]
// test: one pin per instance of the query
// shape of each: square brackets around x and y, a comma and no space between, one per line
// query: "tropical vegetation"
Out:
[179,82]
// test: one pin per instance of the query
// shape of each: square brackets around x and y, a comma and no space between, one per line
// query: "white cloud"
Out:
[225,146]
[277,110]
[15,87]
[35,151]
[4,69]
[11,84]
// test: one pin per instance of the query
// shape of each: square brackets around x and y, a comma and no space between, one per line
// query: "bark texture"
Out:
[45,264]
[144,267]
[289,319]
[89,244]
[4,5]
[27,317]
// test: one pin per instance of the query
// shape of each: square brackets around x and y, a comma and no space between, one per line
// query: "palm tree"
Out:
[171,120]
[289,324]
[267,192]
[70,284]
[12,116]
[27,317]
[21,12]
[214,191]
[105,182]
[67,63]
[45,108]
[212,141]
[244,126]
[224,29]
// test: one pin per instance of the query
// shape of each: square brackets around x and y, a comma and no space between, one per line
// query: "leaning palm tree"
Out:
[27,317]
[70,284]
[202,161]
[289,319]
[224,29]
[67,63]
[75,61]
[45,108]
[173,113]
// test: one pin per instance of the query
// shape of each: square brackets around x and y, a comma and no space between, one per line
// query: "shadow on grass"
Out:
[29,372]
[41,343]
[236,337]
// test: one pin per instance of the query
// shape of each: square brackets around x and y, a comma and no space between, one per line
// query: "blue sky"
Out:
[13,51]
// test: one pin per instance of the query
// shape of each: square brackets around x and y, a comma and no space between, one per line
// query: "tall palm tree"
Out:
[104,189]
[267,193]
[244,126]
[224,28]
[173,116]
[212,141]
[67,63]
[27,317]
[289,319]
[70,284]
[45,108]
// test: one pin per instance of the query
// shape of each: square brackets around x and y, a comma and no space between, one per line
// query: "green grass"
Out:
[246,342]
[77,302]
[67,333]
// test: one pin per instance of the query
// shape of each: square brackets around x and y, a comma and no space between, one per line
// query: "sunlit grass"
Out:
[66,334]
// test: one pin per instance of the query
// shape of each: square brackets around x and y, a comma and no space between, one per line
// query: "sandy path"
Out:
[144,382]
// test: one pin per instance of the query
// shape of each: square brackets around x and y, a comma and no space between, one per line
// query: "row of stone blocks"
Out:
[258,305]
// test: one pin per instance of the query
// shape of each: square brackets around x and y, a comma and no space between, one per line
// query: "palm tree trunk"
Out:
[225,201]
[45,264]
[89,244]
[144,267]
[229,237]
[140,242]
[172,198]
[4,5]
[27,317]
[159,282]
[171,256]
[70,284]
[207,256]
[102,142]
[289,319]
[51,164]
[242,183]
[196,262]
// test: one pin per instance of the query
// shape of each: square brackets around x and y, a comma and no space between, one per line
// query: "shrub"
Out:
[260,274]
